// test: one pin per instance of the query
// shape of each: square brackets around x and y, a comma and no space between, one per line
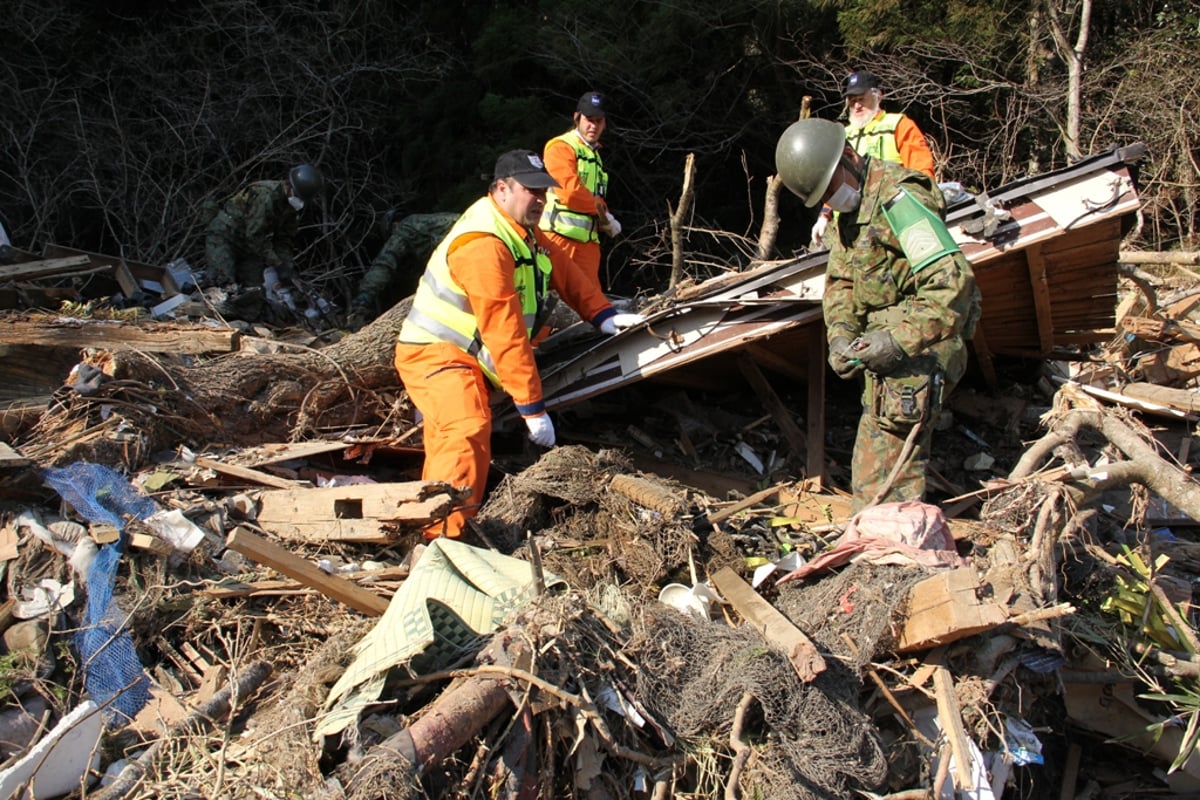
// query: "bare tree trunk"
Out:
[770,225]
[1072,55]
[244,397]
[679,217]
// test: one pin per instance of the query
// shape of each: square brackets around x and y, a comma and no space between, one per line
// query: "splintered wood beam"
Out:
[774,406]
[272,555]
[779,631]
[814,466]
[1041,296]
[950,718]
[46,268]
[248,474]
[117,336]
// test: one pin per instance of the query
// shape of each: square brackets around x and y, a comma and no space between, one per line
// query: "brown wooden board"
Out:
[779,631]
[946,608]
[150,337]
[272,555]
[351,513]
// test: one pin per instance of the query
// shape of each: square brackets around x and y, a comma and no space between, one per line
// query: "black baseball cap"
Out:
[859,83]
[592,104]
[526,167]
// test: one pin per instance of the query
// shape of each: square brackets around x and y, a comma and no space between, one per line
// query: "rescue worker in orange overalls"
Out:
[577,211]
[476,309]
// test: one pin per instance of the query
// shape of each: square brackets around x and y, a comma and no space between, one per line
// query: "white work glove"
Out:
[541,430]
[818,230]
[611,226]
[619,322]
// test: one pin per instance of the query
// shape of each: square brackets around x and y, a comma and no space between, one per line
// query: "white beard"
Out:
[858,119]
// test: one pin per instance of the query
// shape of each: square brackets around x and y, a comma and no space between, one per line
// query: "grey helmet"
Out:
[306,181]
[807,156]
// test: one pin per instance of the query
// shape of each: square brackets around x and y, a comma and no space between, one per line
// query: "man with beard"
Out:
[873,132]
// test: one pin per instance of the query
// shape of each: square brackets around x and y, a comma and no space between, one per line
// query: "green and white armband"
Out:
[922,233]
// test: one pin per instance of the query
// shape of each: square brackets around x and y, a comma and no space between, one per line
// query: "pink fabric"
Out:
[891,533]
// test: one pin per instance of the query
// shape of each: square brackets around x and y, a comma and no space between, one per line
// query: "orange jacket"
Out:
[483,266]
[914,150]
[560,162]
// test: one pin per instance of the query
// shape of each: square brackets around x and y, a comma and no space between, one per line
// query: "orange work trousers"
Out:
[451,392]
[586,255]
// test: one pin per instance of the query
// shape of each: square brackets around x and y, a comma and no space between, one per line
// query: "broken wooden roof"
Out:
[1045,257]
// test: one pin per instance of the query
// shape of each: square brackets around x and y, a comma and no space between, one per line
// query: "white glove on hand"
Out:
[619,322]
[818,230]
[611,226]
[541,430]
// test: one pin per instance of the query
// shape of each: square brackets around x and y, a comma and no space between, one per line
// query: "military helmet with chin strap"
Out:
[807,156]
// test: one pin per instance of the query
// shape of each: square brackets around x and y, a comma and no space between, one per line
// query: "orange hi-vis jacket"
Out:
[481,258]
[895,138]
[582,187]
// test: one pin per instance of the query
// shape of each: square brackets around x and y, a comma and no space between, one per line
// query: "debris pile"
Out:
[676,604]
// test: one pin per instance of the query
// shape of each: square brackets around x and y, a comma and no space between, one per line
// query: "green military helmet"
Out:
[807,156]
[306,181]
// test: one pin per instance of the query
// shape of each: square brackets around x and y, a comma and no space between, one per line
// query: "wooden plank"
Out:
[1183,400]
[951,721]
[778,630]
[754,499]
[117,335]
[11,458]
[129,284]
[144,541]
[352,513]
[388,576]
[812,509]
[1041,297]
[1071,772]
[248,474]
[983,357]
[272,555]
[45,268]
[814,466]
[945,608]
[274,452]
[783,362]
[774,406]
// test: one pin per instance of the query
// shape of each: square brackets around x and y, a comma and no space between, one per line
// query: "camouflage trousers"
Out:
[226,260]
[891,408]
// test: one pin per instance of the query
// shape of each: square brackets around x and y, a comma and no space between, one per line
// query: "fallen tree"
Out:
[293,393]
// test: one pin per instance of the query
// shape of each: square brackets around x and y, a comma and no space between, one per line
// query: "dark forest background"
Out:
[120,119]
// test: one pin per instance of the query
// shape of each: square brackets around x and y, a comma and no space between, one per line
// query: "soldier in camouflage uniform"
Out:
[408,247]
[256,227]
[900,301]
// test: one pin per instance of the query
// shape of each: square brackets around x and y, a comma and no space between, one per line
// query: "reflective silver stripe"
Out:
[445,293]
[530,321]
[443,332]
[573,219]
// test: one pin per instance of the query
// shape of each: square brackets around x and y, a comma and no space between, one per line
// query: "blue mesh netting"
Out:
[112,672]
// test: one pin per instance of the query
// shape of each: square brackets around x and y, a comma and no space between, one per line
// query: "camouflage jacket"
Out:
[261,222]
[413,239]
[868,282]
